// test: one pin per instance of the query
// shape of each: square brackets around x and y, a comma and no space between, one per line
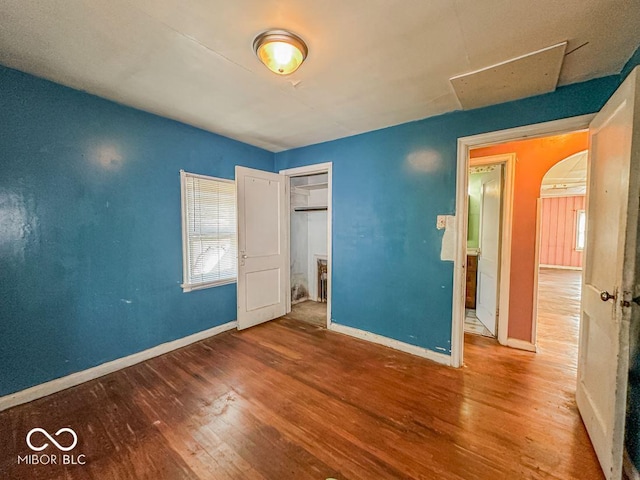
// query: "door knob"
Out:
[605,296]
[244,256]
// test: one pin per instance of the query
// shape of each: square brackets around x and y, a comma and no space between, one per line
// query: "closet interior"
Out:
[309,195]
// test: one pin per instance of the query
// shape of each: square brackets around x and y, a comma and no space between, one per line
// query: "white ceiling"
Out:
[371,64]
[569,176]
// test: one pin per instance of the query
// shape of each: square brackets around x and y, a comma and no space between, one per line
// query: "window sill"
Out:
[201,286]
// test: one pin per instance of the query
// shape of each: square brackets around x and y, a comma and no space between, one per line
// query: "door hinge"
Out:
[627,303]
[635,300]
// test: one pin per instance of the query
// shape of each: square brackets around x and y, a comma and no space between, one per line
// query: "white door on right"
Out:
[489,251]
[609,273]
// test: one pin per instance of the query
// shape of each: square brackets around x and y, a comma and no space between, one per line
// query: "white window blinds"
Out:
[209,235]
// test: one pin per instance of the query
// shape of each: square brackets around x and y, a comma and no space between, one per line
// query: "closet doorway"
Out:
[309,202]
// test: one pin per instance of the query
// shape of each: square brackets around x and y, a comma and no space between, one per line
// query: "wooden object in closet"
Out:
[322,280]
[472,278]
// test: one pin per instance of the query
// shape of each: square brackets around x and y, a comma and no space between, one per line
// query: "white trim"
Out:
[560,195]
[307,170]
[327,168]
[186,288]
[506,221]
[505,250]
[391,343]
[536,130]
[521,345]
[536,271]
[183,222]
[465,144]
[206,177]
[287,236]
[559,267]
[329,241]
[576,231]
[460,258]
[59,384]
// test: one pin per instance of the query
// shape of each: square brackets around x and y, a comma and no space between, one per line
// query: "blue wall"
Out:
[388,188]
[90,236]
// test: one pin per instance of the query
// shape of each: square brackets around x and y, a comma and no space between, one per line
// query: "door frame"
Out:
[317,168]
[465,144]
[506,219]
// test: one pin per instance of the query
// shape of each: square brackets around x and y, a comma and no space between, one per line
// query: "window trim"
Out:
[580,212]
[189,287]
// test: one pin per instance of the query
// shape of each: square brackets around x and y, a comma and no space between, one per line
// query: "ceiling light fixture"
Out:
[282,52]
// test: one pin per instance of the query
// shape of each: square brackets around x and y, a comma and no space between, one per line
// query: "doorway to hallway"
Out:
[550,172]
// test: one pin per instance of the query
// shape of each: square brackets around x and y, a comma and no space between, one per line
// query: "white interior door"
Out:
[489,251]
[262,255]
[609,273]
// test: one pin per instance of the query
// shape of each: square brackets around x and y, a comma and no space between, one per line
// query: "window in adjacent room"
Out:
[209,247]
[581,223]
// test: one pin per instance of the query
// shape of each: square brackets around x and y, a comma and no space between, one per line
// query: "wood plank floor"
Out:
[288,400]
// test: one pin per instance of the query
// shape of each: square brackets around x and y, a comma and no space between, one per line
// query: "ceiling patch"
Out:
[525,76]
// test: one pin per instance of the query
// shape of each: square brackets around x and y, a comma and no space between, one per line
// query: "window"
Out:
[581,224]
[209,246]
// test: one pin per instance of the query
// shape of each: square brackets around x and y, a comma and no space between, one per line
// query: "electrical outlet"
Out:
[441,222]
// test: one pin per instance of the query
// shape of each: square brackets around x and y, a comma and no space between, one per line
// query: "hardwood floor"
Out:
[288,400]
[559,314]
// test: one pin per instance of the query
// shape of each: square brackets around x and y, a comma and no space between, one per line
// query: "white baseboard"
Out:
[59,384]
[391,343]
[521,345]
[629,468]
[560,267]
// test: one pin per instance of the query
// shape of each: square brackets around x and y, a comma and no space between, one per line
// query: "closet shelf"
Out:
[310,208]
[312,186]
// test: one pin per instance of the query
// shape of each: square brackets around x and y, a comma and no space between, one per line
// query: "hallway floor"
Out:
[559,313]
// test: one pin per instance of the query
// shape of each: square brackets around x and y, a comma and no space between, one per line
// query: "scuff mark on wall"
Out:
[425,160]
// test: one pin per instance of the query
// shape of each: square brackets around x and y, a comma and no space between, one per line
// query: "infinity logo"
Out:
[51,439]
